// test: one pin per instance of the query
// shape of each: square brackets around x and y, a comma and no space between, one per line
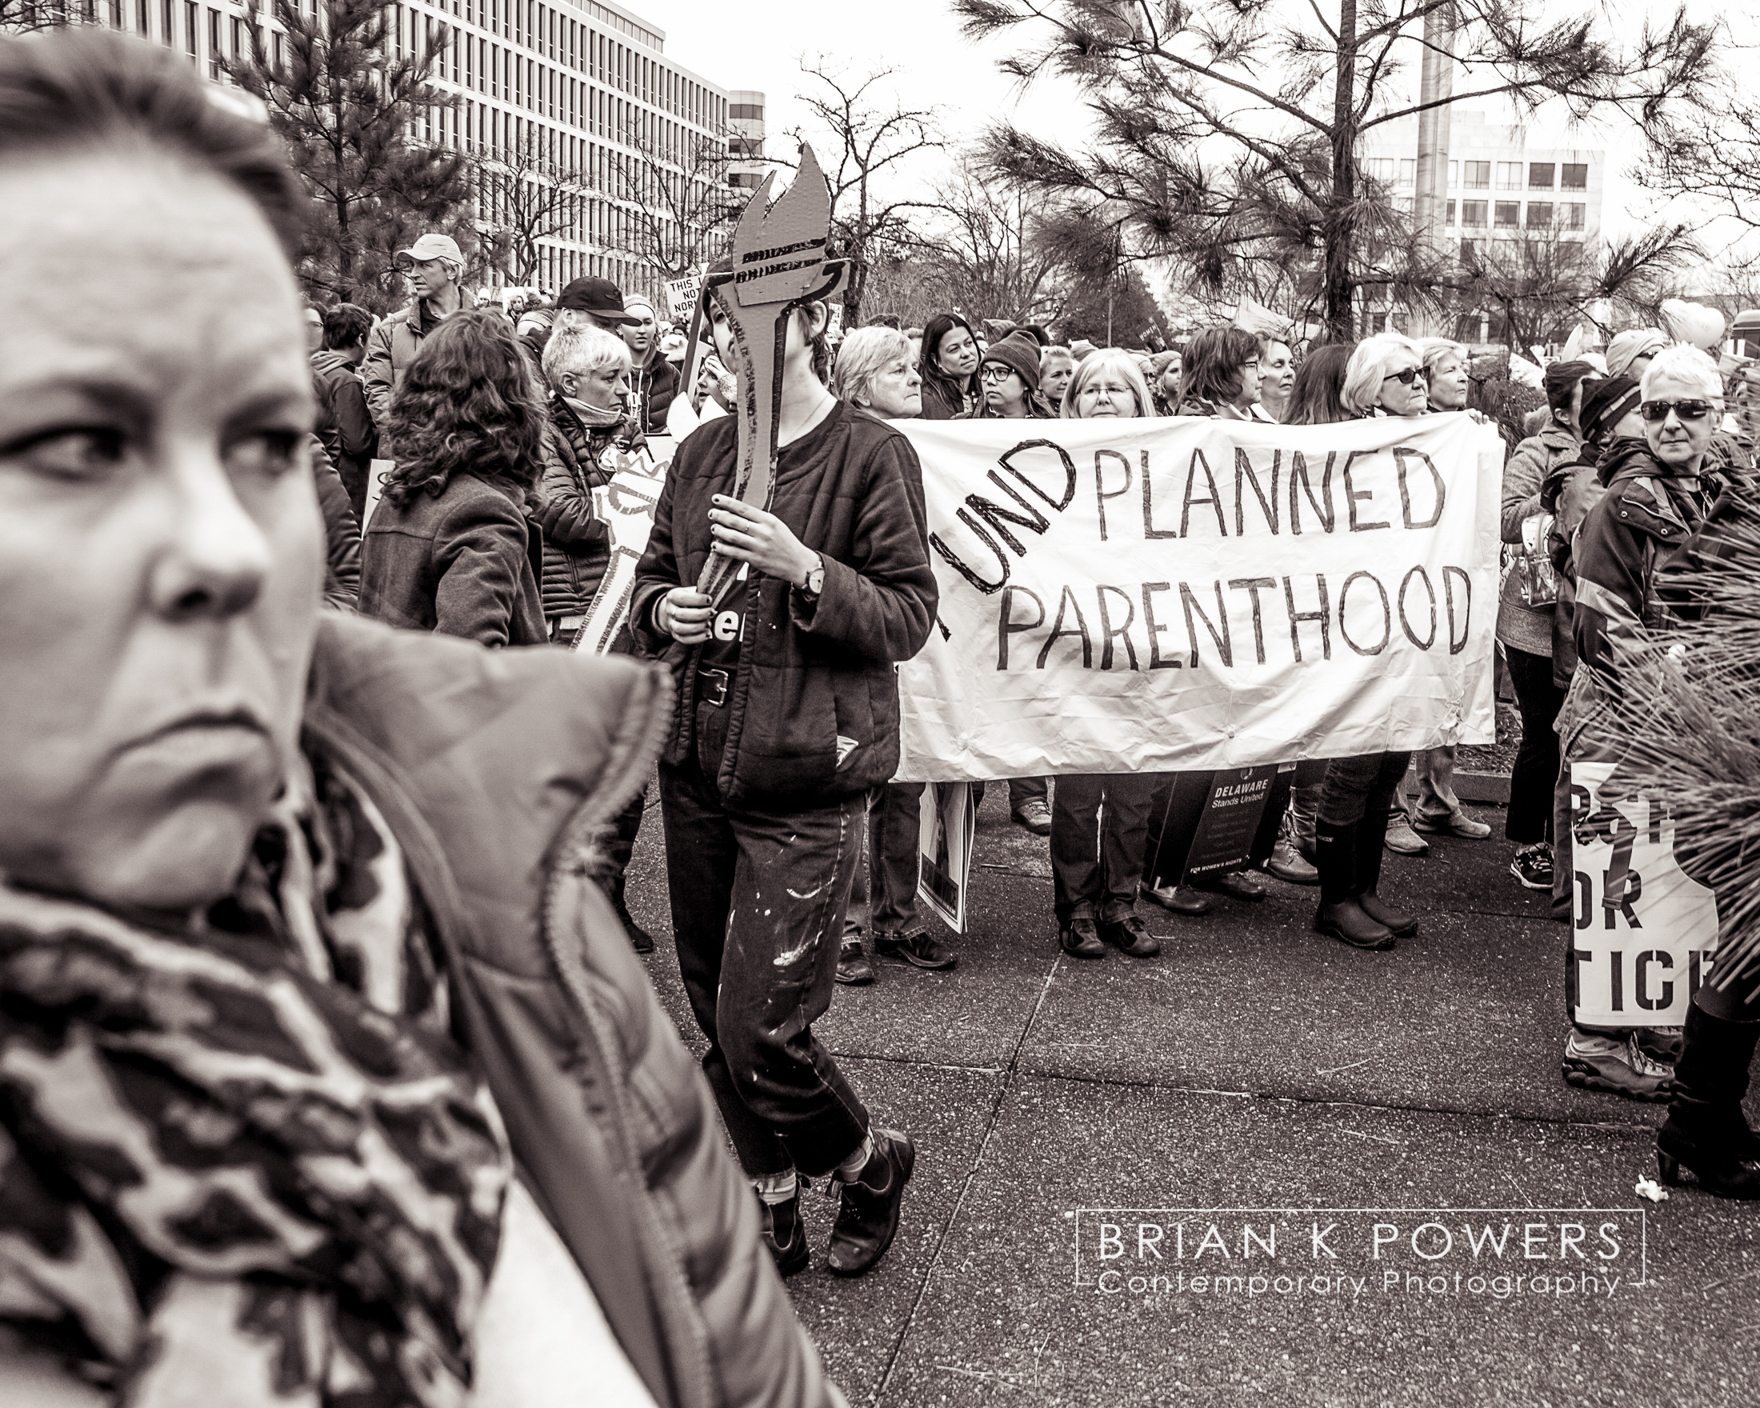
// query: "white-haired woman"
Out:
[1658,493]
[1384,376]
[876,373]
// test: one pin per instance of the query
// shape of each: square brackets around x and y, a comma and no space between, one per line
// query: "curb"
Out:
[1488,788]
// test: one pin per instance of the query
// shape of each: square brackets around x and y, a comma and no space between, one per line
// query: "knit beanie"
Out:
[1020,354]
[1634,342]
[1605,404]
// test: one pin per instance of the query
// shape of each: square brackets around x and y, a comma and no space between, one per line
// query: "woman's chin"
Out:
[173,864]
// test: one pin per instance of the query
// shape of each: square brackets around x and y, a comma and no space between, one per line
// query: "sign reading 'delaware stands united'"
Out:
[1180,594]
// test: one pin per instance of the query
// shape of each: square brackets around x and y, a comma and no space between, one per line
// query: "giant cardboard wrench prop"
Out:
[778,261]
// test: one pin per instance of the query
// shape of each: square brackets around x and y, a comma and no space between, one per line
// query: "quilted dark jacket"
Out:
[810,673]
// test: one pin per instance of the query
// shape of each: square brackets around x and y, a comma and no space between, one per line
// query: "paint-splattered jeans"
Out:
[757,909]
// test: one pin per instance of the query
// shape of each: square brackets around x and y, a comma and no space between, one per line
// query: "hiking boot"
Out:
[918,949]
[1236,884]
[1452,824]
[1287,862]
[1617,1065]
[1532,866]
[1402,840]
[1081,939]
[1130,935]
[1035,816]
[867,1218]
[639,938]
[853,968]
[785,1235]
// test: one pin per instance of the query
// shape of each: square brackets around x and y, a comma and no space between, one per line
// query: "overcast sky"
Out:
[758,44]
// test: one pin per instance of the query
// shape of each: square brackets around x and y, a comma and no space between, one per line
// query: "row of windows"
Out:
[1476,175]
[1508,215]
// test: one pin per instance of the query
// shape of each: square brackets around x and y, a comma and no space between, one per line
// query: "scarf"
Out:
[248,1152]
[591,416]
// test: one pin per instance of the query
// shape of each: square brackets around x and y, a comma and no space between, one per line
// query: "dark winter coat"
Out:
[496,773]
[652,388]
[464,562]
[344,424]
[577,545]
[342,534]
[811,671]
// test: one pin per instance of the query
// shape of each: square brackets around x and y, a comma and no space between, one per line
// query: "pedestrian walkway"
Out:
[1250,1074]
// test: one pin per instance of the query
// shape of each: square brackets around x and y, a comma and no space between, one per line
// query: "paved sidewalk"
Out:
[1257,1066]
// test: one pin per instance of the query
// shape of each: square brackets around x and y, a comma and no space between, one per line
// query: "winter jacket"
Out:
[344,424]
[652,389]
[942,397]
[577,545]
[496,772]
[1520,626]
[1568,494]
[464,562]
[813,711]
[391,347]
[342,534]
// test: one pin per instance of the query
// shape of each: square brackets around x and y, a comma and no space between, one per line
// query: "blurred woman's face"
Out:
[1170,381]
[1250,379]
[1403,390]
[161,552]
[896,390]
[1107,394]
[958,353]
[1448,383]
[1055,379]
[1277,378]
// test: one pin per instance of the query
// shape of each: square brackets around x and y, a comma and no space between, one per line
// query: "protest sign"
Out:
[627,505]
[682,295]
[1181,594]
[377,473]
[944,850]
[1645,931]
[1205,823]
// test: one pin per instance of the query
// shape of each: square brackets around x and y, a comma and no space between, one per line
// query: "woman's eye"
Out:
[268,453]
[71,454]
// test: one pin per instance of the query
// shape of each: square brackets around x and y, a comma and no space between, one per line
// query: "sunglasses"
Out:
[1407,377]
[1654,411]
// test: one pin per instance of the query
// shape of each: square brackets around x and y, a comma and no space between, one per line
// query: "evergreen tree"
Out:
[347,95]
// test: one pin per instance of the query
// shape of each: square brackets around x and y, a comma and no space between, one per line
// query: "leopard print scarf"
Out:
[249,1153]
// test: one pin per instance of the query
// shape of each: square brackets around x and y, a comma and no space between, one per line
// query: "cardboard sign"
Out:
[1172,595]
[1205,823]
[1644,931]
[944,851]
[377,472]
[627,505]
[682,295]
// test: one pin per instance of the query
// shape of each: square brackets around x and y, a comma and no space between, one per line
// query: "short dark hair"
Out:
[346,325]
[468,402]
[1211,367]
[72,89]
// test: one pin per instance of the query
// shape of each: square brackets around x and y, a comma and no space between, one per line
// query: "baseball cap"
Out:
[429,247]
[600,297]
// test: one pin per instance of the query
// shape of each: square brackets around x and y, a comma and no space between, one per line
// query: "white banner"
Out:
[627,504]
[1178,594]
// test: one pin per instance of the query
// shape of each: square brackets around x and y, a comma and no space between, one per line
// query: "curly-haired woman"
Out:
[451,549]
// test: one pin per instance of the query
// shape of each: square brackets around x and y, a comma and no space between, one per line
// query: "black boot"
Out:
[1372,833]
[784,1233]
[867,1219]
[1340,916]
[1706,1132]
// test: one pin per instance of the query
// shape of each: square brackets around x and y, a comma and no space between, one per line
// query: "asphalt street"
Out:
[1262,1168]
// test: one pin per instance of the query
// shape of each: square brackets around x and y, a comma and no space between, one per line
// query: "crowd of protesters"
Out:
[346,887]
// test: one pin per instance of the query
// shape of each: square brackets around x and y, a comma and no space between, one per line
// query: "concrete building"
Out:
[589,77]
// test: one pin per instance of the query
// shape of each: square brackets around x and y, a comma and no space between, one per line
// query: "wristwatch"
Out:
[815,583]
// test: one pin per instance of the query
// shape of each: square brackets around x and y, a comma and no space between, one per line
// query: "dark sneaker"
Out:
[853,968]
[1035,816]
[867,1217]
[639,938]
[784,1234]
[1617,1065]
[1081,939]
[920,950]
[1532,866]
[1131,936]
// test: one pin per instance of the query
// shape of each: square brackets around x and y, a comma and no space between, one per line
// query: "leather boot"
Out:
[1340,916]
[1706,1132]
[867,1219]
[784,1233]
[1369,840]
[1304,815]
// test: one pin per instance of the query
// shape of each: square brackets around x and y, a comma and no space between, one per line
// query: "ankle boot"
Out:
[1340,916]
[1369,842]
[867,1217]
[1706,1132]
[784,1234]
[1304,815]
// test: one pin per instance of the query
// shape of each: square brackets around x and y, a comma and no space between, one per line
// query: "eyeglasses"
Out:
[990,371]
[1654,411]
[1407,377]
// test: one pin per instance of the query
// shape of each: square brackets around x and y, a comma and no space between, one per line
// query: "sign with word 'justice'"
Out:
[1180,594]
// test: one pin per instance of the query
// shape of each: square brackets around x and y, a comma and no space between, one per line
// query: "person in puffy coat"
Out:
[450,547]
[329,1080]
